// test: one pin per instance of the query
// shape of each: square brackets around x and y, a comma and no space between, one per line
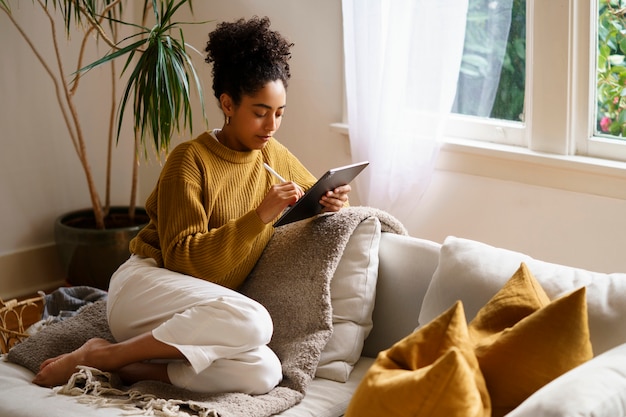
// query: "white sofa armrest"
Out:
[406,266]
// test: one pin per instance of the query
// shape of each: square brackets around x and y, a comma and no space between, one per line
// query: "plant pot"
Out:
[89,255]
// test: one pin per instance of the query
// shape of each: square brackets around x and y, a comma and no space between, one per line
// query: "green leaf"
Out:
[622,44]
[605,51]
[114,55]
[614,128]
[618,71]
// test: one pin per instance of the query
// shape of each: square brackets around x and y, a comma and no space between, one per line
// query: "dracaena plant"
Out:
[159,71]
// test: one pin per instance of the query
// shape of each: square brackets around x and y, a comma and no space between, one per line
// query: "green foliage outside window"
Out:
[611,70]
[509,103]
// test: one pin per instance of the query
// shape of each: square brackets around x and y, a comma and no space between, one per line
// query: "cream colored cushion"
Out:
[352,290]
[473,272]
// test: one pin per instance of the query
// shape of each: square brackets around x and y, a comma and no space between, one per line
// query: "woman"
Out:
[173,306]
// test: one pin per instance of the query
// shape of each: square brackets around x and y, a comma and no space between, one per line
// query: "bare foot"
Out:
[50,360]
[57,371]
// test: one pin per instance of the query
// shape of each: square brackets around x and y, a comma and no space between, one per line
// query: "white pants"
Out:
[222,333]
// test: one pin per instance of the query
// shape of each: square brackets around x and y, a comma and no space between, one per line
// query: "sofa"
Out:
[409,283]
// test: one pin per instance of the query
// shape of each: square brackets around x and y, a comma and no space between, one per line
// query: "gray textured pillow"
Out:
[62,337]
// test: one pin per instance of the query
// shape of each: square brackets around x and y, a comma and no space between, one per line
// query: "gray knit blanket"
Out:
[291,279]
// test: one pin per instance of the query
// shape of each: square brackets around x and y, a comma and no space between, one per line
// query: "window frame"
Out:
[560,106]
[550,149]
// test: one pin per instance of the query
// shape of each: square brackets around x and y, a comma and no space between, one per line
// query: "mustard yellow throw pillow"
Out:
[432,372]
[517,343]
[523,341]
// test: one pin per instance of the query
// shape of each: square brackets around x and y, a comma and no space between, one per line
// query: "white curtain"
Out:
[486,36]
[402,60]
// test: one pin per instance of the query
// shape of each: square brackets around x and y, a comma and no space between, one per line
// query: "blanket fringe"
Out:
[97,388]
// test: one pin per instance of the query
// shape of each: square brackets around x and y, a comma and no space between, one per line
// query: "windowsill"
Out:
[513,163]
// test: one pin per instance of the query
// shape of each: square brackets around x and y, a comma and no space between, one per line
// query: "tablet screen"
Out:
[308,205]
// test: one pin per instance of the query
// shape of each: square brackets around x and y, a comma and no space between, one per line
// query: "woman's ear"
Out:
[227,105]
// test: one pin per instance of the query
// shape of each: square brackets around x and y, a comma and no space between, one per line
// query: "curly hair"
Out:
[246,55]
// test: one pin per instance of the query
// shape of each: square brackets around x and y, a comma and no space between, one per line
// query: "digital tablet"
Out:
[309,204]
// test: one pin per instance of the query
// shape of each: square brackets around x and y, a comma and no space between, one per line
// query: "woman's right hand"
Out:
[277,199]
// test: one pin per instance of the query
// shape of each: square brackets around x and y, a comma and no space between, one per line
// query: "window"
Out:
[493,69]
[490,92]
[610,116]
[564,98]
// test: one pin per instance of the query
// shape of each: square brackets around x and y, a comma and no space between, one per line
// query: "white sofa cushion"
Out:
[473,272]
[327,398]
[596,388]
[352,293]
[406,266]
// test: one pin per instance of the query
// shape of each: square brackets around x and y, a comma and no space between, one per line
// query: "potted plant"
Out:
[160,77]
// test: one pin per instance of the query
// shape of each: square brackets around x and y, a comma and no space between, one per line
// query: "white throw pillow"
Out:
[473,272]
[596,388]
[352,292]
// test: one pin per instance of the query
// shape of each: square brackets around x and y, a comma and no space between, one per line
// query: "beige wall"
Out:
[41,178]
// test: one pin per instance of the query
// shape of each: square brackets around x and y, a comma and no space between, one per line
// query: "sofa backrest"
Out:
[406,266]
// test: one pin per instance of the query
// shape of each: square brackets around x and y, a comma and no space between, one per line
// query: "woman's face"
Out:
[255,120]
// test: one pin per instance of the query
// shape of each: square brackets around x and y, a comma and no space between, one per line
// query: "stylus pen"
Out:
[274,173]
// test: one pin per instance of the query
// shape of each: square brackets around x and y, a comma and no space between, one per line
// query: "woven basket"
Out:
[15,317]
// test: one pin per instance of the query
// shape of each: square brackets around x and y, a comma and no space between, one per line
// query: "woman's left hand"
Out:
[335,199]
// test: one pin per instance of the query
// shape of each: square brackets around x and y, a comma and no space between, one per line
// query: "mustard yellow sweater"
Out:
[203,221]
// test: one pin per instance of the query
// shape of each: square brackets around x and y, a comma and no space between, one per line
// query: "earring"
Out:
[227,120]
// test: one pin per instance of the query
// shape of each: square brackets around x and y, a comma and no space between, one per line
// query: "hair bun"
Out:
[245,55]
